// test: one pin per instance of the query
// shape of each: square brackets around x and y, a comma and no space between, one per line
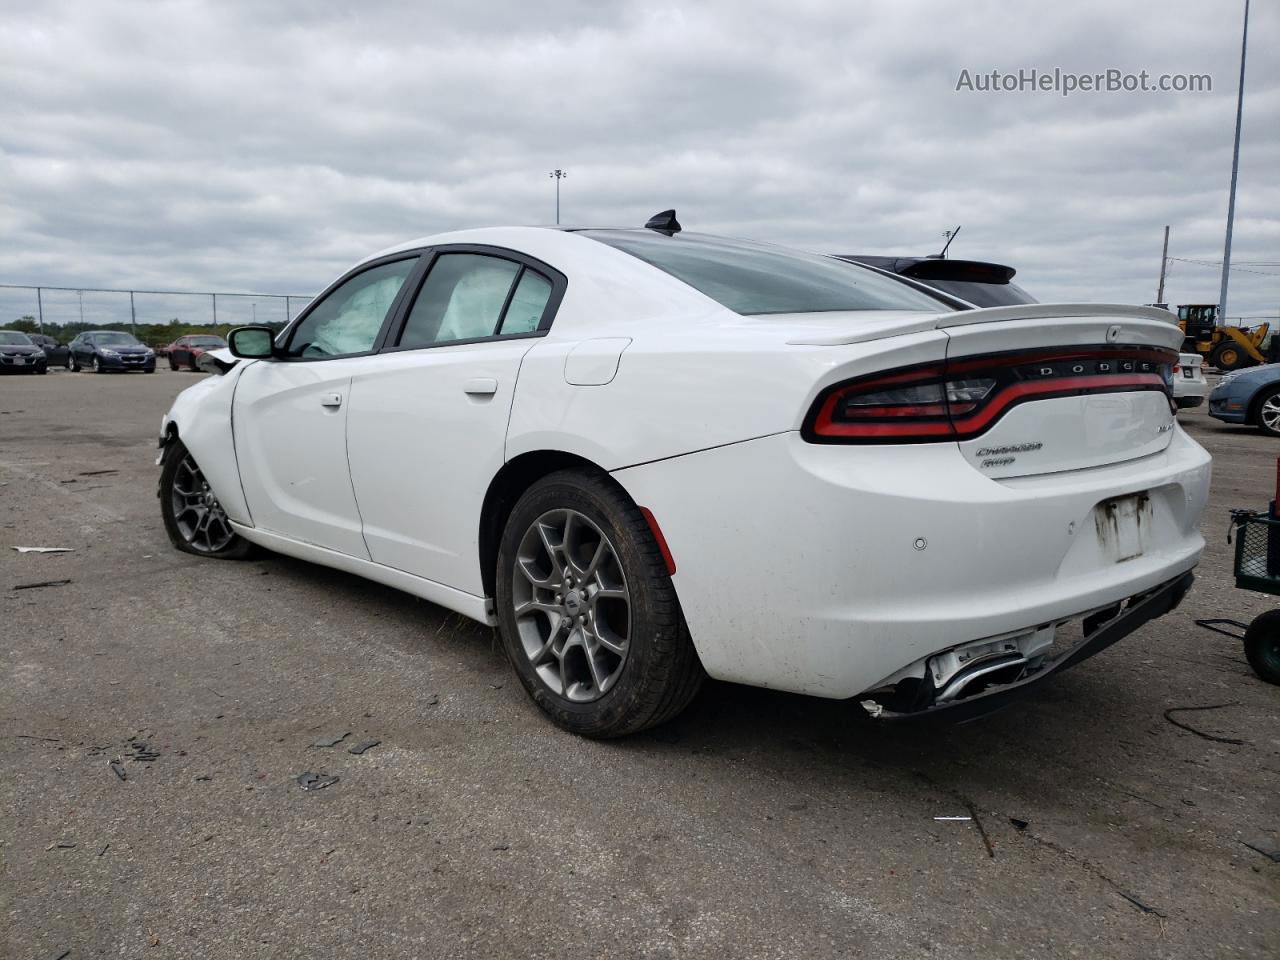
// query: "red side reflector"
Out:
[662,541]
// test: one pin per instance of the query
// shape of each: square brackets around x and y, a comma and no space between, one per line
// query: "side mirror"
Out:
[252,343]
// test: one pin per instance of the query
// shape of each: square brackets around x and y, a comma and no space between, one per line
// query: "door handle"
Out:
[481,386]
[331,400]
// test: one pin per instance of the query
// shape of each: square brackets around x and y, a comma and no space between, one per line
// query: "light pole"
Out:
[557,175]
[80,294]
[1235,165]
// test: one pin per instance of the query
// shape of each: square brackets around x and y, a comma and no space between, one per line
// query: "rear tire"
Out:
[1267,413]
[193,518]
[588,615]
[1262,646]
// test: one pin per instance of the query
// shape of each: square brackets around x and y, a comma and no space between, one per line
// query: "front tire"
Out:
[1227,356]
[1268,413]
[72,365]
[588,615]
[193,518]
[97,365]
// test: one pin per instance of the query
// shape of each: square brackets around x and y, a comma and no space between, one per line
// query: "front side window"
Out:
[348,319]
[754,278]
[461,299]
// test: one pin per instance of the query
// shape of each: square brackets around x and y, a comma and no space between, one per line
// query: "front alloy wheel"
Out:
[1269,413]
[193,518]
[588,614]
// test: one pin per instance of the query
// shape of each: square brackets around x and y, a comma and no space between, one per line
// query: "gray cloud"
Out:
[267,146]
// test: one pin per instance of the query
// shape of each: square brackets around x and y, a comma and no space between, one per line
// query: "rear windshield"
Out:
[754,278]
[982,294]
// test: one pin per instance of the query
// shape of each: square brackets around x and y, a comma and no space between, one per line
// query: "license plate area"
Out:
[1188,373]
[1123,526]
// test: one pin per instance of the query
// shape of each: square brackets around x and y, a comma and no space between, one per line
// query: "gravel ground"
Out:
[757,825]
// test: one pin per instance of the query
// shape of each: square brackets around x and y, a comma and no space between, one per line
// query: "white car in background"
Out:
[1189,385]
[647,456]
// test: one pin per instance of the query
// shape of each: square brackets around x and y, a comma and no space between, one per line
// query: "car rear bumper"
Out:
[829,570]
[1136,612]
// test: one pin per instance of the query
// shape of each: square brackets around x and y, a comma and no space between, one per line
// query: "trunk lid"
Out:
[1080,381]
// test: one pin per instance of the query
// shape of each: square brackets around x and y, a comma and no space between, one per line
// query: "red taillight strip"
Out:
[924,422]
[1041,389]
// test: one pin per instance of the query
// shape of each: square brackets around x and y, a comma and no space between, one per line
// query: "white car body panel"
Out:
[290,439]
[423,450]
[1189,381]
[798,565]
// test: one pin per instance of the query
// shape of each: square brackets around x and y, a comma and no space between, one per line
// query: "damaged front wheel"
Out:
[193,518]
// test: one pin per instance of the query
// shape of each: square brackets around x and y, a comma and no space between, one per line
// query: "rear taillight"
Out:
[964,397]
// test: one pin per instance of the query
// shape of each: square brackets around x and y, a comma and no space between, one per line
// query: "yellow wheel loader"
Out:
[1226,347]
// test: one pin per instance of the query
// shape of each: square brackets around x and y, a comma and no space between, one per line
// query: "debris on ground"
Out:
[333,742]
[1200,733]
[104,849]
[43,549]
[1142,906]
[40,584]
[953,818]
[982,831]
[60,845]
[364,745]
[29,736]
[142,753]
[117,767]
[95,473]
[316,781]
[1019,824]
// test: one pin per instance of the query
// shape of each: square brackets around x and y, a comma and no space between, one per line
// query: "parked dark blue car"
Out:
[103,350]
[1249,396]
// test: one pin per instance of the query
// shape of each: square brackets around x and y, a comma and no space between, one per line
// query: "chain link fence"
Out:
[156,317]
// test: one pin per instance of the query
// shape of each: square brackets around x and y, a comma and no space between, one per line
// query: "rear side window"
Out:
[461,299]
[754,278]
[528,303]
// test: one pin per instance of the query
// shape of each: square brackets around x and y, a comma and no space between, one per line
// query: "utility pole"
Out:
[1235,165]
[133,316]
[557,175]
[80,294]
[40,307]
[1164,261]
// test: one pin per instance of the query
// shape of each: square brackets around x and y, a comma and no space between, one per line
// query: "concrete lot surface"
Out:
[757,825]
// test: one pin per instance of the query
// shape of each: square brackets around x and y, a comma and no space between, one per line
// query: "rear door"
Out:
[1046,388]
[428,418]
[290,414]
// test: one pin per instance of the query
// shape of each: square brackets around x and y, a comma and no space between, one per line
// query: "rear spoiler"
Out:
[897,326]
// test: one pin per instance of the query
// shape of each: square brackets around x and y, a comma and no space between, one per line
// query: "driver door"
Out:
[290,413]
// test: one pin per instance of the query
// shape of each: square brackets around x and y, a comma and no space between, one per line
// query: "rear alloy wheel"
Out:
[193,518]
[1268,415]
[588,614]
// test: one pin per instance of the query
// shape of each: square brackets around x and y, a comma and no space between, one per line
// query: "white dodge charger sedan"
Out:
[648,456]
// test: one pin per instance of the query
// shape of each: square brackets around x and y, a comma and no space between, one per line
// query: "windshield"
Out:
[14,338]
[115,340]
[754,278]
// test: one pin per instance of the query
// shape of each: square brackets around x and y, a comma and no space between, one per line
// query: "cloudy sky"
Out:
[266,146]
